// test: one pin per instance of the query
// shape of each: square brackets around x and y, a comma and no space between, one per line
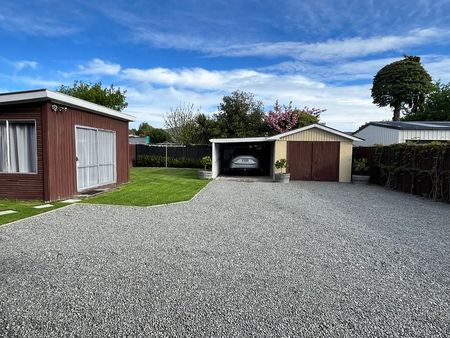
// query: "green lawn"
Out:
[148,186]
[153,186]
[24,209]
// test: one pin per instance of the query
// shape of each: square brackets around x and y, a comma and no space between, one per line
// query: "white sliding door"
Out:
[96,157]
[106,156]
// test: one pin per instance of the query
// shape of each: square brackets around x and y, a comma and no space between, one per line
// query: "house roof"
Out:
[318,126]
[410,125]
[48,95]
[277,137]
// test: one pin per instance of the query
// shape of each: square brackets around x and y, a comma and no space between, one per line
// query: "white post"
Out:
[215,160]
[166,154]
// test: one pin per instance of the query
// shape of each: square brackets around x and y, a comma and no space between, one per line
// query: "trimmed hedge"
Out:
[160,161]
[417,169]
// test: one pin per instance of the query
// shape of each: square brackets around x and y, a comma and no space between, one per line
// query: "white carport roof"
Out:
[239,140]
[277,137]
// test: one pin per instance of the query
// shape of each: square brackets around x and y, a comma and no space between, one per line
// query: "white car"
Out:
[244,162]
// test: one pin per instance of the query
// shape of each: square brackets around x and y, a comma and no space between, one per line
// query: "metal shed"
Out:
[53,146]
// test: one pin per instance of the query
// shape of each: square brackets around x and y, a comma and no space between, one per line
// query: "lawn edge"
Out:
[151,206]
[33,216]
[181,202]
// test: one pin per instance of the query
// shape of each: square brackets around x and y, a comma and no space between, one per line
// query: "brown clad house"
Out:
[53,146]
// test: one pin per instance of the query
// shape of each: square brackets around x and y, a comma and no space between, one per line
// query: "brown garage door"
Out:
[313,161]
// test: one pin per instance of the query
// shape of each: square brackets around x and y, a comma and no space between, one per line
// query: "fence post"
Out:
[166,154]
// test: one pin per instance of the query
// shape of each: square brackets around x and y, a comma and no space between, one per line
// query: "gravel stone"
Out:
[305,259]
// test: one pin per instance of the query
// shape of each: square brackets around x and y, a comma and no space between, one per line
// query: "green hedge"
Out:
[160,161]
[414,168]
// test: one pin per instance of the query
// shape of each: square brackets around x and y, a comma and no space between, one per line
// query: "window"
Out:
[18,147]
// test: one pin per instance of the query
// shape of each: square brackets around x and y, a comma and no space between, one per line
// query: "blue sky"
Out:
[321,54]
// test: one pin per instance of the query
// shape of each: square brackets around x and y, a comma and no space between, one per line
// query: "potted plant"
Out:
[206,173]
[361,171]
[282,177]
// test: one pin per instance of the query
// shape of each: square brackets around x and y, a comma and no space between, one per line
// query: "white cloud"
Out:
[152,92]
[17,20]
[99,67]
[202,79]
[25,64]
[325,50]
[38,82]
[337,71]
[332,49]
[438,66]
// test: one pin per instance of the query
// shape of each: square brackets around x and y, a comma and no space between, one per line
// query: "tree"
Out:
[282,119]
[402,84]
[157,135]
[307,116]
[288,118]
[436,107]
[206,128]
[240,116]
[110,97]
[180,123]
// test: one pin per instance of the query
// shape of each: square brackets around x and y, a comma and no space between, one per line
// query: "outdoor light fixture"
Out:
[57,108]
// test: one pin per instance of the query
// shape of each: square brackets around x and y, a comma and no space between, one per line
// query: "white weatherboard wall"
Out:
[377,135]
[427,135]
[386,136]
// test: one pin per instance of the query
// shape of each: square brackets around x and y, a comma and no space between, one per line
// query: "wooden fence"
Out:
[177,156]
[132,155]
[193,152]
[417,169]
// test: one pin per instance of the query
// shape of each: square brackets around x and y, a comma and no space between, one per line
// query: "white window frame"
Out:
[98,165]
[9,172]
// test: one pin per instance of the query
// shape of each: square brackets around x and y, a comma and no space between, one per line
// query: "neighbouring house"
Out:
[314,152]
[54,146]
[133,139]
[391,132]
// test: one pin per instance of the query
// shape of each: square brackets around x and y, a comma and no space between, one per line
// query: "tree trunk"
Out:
[396,113]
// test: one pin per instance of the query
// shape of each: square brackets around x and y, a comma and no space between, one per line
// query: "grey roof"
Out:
[412,125]
[136,140]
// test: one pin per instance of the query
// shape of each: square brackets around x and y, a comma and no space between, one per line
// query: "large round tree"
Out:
[402,84]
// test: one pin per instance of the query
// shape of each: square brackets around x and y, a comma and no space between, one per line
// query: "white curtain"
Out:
[106,142]
[22,147]
[87,158]
[3,148]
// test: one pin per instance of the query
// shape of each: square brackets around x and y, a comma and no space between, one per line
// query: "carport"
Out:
[313,153]
[224,150]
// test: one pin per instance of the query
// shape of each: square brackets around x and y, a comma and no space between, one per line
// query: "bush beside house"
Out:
[417,169]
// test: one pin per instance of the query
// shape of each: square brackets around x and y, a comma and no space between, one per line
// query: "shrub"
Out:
[160,161]
[361,166]
[206,162]
[281,164]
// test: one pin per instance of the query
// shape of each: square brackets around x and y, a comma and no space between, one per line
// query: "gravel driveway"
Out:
[304,259]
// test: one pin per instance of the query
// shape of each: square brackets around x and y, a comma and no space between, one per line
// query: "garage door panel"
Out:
[299,155]
[313,160]
[325,161]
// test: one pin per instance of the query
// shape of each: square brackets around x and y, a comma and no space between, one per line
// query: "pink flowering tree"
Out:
[282,119]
